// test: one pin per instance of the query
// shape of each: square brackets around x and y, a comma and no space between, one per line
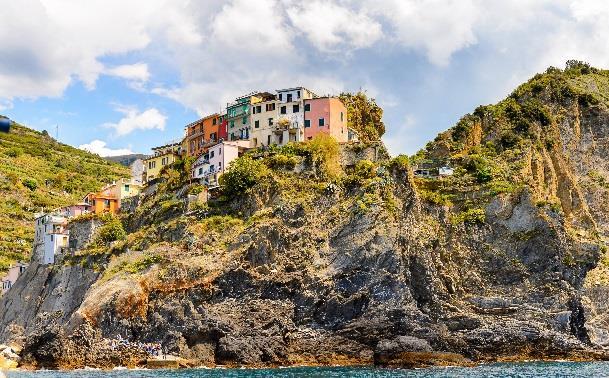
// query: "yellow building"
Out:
[163,156]
[124,188]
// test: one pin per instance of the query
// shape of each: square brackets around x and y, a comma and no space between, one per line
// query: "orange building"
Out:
[102,203]
[194,138]
[211,127]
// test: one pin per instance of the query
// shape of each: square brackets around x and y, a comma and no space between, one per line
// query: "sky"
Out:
[118,77]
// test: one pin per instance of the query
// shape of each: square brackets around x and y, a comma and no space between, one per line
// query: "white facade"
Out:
[200,167]
[290,107]
[50,236]
[137,171]
[446,171]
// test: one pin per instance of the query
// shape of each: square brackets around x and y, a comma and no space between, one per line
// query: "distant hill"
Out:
[37,172]
[125,160]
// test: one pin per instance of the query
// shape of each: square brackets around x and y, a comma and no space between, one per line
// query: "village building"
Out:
[50,237]
[200,167]
[75,210]
[12,275]
[238,114]
[163,156]
[326,115]
[220,156]
[102,202]
[200,134]
[445,171]
[264,116]
[290,122]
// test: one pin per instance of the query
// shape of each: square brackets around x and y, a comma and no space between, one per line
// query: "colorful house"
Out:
[102,202]
[163,156]
[238,114]
[200,167]
[50,237]
[264,117]
[325,115]
[220,156]
[124,188]
[194,138]
[75,210]
[211,127]
[291,114]
[12,275]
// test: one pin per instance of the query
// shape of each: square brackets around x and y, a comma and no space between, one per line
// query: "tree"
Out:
[364,116]
[242,174]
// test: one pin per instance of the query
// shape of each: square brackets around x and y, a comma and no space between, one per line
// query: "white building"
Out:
[290,108]
[200,167]
[50,237]
[219,156]
[11,276]
[446,171]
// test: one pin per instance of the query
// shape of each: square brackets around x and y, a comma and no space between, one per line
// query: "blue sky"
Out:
[122,77]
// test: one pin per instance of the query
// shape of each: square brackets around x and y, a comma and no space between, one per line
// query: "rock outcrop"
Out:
[506,260]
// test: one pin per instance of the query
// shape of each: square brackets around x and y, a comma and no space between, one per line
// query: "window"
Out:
[219,151]
[244,120]
[321,122]
[270,107]
[268,140]
[126,188]
[211,154]
[213,121]
[200,171]
[307,107]
[307,123]
[219,165]
[232,123]
[270,121]
[289,97]
[295,108]
[258,109]
[211,168]
[232,136]
[213,136]
[297,94]
[280,97]
[283,110]
[256,124]
[107,203]
[341,117]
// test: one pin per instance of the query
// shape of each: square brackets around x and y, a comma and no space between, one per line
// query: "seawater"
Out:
[503,370]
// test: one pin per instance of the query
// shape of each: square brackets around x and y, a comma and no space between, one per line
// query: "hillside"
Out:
[36,172]
[319,254]
[125,160]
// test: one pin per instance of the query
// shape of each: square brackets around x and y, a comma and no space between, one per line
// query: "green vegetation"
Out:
[244,173]
[111,230]
[470,216]
[364,116]
[37,173]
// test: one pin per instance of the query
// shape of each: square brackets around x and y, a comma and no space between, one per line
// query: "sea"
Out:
[503,370]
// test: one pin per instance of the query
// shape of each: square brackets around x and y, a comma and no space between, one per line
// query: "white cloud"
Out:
[100,147]
[253,26]
[135,72]
[328,25]
[438,28]
[133,120]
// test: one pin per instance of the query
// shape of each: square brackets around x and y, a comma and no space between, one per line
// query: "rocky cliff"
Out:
[302,260]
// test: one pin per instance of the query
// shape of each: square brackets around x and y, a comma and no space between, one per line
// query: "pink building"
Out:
[75,210]
[326,115]
[11,276]
[221,155]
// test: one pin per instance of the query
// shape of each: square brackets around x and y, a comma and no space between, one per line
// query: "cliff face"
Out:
[363,263]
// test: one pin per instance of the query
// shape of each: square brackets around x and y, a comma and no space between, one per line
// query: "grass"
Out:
[39,174]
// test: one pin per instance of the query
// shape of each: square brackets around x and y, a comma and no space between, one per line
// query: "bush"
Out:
[111,231]
[30,183]
[470,216]
[401,162]
[324,152]
[364,169]
[281,161]
[14,152]
[242,174]
[364,116]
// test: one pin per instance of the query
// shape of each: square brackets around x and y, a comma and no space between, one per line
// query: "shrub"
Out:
[470,216]
[364,169]
[111,231]
[30,183]
[14,152]
[364,116]
[324,154]
[281,161]
[400,162]
[243,173]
